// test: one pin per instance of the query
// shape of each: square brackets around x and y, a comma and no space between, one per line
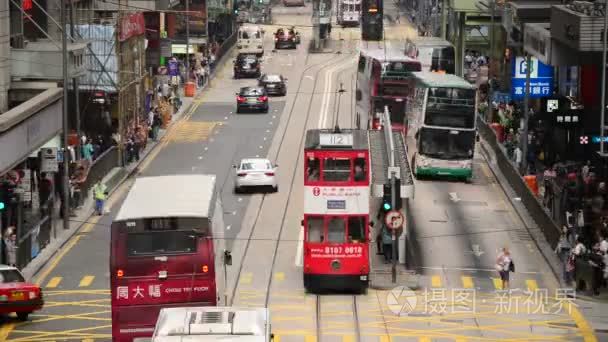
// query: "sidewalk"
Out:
[113,180]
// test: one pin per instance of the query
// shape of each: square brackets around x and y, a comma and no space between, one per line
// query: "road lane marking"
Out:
[467,282]
[424,339]
[385,338]
[88,340]
[348,338]
[300,250]
[436,281]
[86,281]
[585,328]
[531,284]
[310,338]
[461,339]
[246,278]
[497,283]
[279,276]
[54,282]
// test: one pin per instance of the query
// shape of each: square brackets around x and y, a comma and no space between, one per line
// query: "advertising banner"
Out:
[541,79]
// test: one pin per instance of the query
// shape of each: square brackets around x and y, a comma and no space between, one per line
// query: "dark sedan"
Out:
[274,84]
[247,65]
[252,98]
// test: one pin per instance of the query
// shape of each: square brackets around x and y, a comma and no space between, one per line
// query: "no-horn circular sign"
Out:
[394,219]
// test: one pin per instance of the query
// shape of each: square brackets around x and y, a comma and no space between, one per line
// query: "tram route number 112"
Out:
[336,139]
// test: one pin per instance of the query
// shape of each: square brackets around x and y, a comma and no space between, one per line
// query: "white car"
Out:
[255,172]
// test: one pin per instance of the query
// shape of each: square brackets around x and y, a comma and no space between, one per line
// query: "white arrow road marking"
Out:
[300,251]
[308,76]
[454,197]
[228,227]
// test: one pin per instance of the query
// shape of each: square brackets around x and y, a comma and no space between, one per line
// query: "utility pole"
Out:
[119,79]
[444,19]
[394,233]
[65,201]
[524,133]
[75,82]
[187,40]
[603,96]
[491,62]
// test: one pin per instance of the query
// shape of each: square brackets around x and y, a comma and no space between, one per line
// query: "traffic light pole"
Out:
[394,206]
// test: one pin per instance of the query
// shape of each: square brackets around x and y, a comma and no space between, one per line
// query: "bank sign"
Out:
[541,79]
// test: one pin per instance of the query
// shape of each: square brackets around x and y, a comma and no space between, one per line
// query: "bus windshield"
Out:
[450,107]
[393,89]
[446,144]
[159,243]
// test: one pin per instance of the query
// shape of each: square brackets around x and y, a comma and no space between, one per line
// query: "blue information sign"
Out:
[336,204]
[541,79]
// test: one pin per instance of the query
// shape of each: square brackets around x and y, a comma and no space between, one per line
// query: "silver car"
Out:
[255,172]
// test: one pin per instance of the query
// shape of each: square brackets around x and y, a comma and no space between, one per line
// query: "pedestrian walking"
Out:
[387,244]
[504,265]
[87,150]
[10,245]
[562,250]
[100,192]
[596,260]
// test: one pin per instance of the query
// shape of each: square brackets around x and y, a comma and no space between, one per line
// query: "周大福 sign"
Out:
[541,79]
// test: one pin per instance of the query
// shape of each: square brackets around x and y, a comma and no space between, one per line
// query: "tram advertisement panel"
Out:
[335,199]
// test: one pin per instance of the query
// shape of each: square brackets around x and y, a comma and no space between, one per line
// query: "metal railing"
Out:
[31,243]
[99,169]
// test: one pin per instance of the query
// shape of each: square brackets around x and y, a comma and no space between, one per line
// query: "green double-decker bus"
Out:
[442,118]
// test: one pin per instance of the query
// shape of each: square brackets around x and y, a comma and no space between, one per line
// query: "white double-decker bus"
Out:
[442,117]
[348,13]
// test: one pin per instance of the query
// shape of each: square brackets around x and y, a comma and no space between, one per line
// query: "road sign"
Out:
[584,140]
[49,160]
[394,219]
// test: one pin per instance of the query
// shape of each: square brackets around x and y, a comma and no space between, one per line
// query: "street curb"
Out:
[129,174]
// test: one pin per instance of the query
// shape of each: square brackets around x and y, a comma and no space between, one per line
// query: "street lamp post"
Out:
[65,200]
[603,97]
[187,40]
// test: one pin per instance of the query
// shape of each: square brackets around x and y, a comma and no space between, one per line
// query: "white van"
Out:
[250,40]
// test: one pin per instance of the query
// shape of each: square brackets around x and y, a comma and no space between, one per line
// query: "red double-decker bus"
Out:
[336,210]
[384,78]
[163,251]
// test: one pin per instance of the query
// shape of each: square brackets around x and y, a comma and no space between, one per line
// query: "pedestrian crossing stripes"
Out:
[247,278]
[192,131]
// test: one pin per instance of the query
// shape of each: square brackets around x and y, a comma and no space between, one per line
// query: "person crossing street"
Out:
[100,192]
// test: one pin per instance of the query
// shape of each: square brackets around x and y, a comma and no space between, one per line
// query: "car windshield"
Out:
[256,165]
[11,276]
[248,58]
[252,92]
[272,78]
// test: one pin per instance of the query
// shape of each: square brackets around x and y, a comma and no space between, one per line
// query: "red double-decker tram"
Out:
[336,210]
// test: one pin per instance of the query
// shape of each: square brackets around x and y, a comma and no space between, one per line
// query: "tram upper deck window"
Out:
[313,170]
[356,229]
[360,171]
[336,170]
[314,229]
[336,230]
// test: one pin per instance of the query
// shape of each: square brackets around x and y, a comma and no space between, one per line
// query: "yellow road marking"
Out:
[54,282]
[81,332]
[497,283]
[436,281]
[385,338]
[467,282]
[460,339]
[348,338]
[86,281]
[276,338]
[88,340]
[425,339]
[582,324]
[246,278]
[531,284]
[310,338]
[279,276]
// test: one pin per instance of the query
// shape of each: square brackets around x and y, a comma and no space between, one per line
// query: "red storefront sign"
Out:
[132,25]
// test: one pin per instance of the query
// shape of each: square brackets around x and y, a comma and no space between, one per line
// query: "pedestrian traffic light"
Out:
[387,201]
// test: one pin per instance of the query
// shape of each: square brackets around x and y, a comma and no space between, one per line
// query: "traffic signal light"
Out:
[387,203]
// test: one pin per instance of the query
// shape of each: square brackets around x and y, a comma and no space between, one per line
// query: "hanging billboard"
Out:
[541,78]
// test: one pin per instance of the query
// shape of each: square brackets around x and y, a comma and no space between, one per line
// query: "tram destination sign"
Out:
[336,139]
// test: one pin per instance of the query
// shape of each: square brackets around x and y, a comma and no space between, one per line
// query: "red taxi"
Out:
[17,295]
[286,38]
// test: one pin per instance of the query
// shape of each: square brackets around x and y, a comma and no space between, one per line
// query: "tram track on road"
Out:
[326,326]
[335,60]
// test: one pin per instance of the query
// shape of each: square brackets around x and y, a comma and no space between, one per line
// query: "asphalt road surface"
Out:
[455,229]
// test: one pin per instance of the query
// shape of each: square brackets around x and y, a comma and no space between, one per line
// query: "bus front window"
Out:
[356,229]
[336,230]
[336,170]
[314,229]
[446,144]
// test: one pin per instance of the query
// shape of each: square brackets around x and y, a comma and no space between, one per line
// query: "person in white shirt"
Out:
[503,266]
[580,248]
[517,155]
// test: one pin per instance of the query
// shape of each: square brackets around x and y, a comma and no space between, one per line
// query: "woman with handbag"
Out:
[504,265]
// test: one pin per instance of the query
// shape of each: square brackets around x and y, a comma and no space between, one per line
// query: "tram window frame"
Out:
[325,169]
[343,228]
[308,166]
[362,224]
[359,161]
[322,230]
[361,65]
